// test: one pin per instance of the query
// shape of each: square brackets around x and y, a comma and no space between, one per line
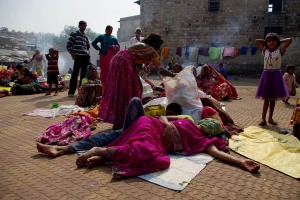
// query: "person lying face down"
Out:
[144,146]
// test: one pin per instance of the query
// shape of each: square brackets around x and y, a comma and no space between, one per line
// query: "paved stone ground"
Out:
[26,174]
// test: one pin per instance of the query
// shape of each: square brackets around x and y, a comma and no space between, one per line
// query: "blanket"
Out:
[181,171]
[278,151]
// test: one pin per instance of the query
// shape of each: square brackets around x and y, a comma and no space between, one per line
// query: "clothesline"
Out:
[214,53]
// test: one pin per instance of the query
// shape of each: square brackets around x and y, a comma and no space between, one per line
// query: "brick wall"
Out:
[236,24]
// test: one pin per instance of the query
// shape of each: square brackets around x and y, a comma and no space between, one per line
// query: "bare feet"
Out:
[82,160]
[52,151]
[271,121]
[48,93]
[55,94]
[94,161]
[262,123]
[250,165]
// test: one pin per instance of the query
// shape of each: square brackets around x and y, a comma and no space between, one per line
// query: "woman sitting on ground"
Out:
[213,83]
[90,90]
[143,148]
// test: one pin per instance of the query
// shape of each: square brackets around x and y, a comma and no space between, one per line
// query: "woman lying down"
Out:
[144,147]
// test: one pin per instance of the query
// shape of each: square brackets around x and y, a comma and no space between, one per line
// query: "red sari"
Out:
[216,85]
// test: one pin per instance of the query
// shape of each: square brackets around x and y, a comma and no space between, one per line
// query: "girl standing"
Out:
[290,80]
[271,86]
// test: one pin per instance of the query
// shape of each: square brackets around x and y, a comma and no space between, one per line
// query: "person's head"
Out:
[154,40]
[37,51]
[25,70]
[272,41]
[204,70]
[290,69]
[221,65]
[138,31]
[91,72]
[19,68]
[108,30]
[51,51]
[173,109]
[82,26]
[177,68]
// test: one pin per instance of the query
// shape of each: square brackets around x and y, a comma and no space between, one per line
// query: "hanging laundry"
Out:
[253,50]
[228,52]
[214,53]
[236,52]
[203,51]
[165,52]
[243,50]
[187,52]
[179,51]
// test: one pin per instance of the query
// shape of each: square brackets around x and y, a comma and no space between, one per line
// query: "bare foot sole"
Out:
[271,121]
[47,149]
[94,161]
[262,123]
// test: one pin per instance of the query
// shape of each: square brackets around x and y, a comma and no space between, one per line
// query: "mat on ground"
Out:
[278,151]
[181,171]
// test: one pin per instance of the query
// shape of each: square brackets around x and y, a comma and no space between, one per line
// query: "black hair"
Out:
[108,27]
[177,64]
[19,67]
[288,67]
[82,23]
[175,107]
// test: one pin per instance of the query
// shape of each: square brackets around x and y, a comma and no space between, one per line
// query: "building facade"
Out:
[215,23]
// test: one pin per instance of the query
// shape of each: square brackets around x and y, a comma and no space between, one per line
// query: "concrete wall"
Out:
[236,24]
[127,29]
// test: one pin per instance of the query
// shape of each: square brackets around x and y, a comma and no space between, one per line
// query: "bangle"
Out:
[229,158]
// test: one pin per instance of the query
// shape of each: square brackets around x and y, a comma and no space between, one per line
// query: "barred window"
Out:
[213,5]
[275,6]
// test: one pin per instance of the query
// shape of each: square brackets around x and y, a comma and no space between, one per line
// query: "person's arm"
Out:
[168,134]
[247,164]
[95,43]
[285,43]
[260,43]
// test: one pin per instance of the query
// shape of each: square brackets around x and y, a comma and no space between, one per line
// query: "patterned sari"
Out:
[140,150]
[214,84]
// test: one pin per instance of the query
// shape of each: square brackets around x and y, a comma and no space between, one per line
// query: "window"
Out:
[213,5]
[275,6]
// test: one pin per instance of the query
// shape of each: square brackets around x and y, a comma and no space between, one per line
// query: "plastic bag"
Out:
[147,90]
[182,89]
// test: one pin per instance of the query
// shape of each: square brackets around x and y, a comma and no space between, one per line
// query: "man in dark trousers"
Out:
[78,46]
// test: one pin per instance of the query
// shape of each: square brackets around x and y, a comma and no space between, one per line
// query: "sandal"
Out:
[56,94]
[47,94]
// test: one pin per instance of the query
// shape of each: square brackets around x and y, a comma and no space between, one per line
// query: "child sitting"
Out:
[290,80]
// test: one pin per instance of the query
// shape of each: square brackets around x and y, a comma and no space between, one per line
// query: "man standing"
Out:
[137,38]
[78,46]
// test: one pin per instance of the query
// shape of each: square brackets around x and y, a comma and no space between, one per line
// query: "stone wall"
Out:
[237,23]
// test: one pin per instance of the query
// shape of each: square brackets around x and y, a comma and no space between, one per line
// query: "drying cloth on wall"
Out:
[278,151]
[214,53]
[165,52]
[179,51]
[253,50]
[243,50]
[187,52]
[181,171]
[228,52]
[203,51]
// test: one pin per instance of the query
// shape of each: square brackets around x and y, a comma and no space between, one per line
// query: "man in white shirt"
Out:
[137,38]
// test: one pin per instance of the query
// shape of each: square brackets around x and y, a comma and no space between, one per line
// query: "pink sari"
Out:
[122,84]
[139,150]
